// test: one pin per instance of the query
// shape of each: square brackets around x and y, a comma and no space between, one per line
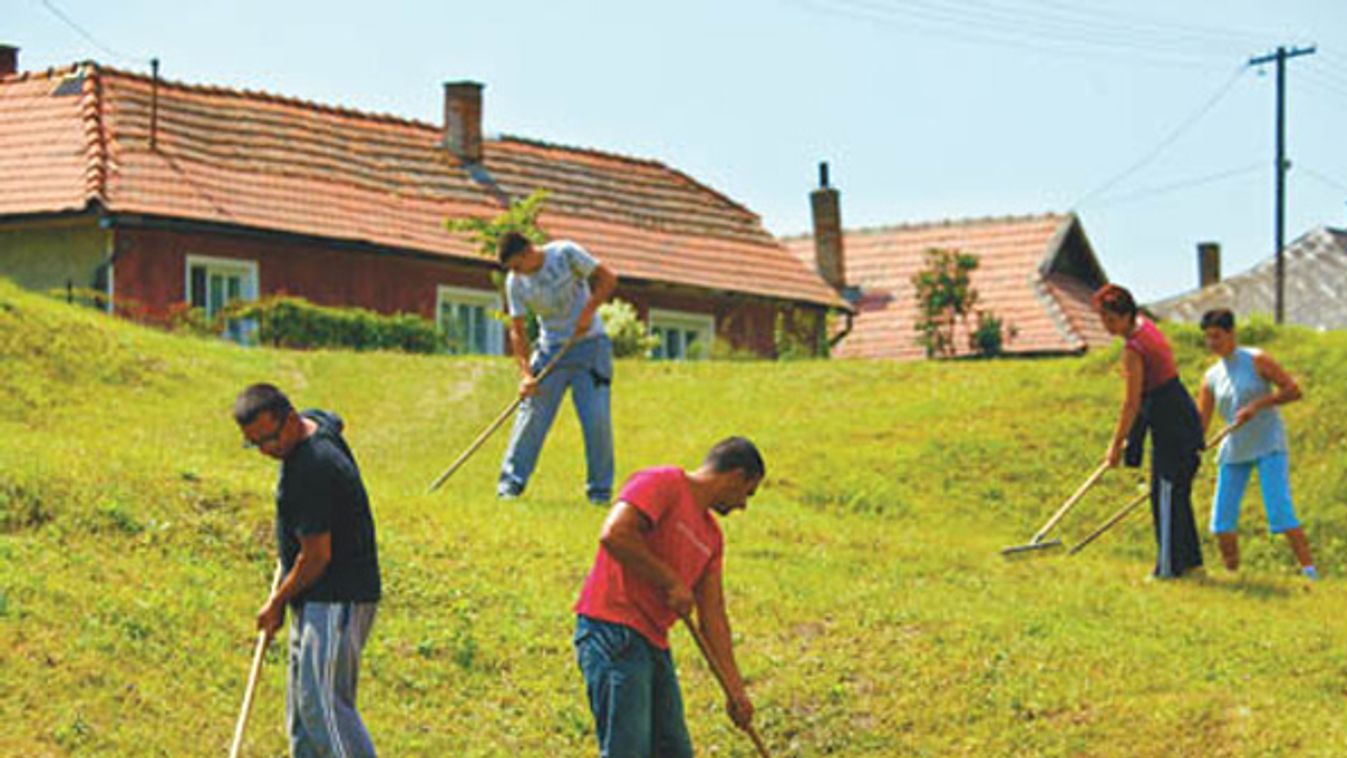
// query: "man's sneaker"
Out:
[1311,573]
[508,493]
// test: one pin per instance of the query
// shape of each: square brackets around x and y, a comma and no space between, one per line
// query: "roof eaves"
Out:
[1054,309]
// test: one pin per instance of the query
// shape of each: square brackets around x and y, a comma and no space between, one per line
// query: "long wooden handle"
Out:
[1126,509]
[1114,519]
[724,682]
[505,414]
[259,653]
[1070,503]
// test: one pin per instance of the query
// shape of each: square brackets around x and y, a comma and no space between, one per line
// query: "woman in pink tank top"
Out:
[1155,400]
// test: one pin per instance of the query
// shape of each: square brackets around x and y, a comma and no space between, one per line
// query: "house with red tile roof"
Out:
[165,192]
[1036,273]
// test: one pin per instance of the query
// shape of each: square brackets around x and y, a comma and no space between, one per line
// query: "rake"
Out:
[1036,544]
[1126,510]
[724,683]
[510,409]
[259,650]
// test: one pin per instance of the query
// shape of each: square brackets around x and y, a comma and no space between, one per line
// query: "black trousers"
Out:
[1177,547]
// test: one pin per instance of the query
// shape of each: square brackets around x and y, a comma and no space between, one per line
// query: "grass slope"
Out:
[873,614]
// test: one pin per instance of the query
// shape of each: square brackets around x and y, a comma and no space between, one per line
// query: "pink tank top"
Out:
[1151,345]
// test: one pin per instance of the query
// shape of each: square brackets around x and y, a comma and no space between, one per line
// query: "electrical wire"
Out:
[1321,178]
[1164,189]
[915,20]
[81,31]
[1168,140]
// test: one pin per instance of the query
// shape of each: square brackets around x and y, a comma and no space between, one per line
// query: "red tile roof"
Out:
[275,163]
[1035,272]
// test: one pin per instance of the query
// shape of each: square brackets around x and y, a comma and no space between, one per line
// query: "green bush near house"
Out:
[628,333]
[293,322]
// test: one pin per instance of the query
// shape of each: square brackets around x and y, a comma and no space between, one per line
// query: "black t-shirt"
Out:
[320,491]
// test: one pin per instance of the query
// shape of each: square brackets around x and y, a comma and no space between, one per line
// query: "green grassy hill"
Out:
[873,613]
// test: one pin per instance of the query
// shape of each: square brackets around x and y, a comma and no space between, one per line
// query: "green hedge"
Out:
[294,322]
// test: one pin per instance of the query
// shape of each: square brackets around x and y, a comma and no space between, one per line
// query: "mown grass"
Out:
[873,614]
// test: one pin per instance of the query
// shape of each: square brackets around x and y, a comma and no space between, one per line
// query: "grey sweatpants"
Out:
[325,644]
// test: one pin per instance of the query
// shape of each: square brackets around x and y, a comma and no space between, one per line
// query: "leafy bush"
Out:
[293,322]
[799,334]
[991,335]
[626,330]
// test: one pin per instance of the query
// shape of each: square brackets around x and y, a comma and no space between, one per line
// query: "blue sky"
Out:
[1141,116]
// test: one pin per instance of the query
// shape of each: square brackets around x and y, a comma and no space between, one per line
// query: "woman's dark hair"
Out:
[1221,317]
[1114,299]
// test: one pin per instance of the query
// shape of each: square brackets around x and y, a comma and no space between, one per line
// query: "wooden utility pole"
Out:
[1279,214]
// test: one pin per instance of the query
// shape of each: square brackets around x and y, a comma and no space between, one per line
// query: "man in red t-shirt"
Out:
[660,553]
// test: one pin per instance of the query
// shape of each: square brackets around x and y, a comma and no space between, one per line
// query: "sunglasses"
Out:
[265,439]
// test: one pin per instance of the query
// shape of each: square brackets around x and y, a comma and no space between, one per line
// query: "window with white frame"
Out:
[213,283]
[682,336]
[468,317]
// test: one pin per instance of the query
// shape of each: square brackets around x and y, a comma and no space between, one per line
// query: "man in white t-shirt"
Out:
[554,283]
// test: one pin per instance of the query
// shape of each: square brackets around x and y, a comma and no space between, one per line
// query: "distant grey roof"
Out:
[1316,286]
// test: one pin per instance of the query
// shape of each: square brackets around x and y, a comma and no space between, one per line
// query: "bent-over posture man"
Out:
[660,553]
[330,565]
[1240,386]
[553,282]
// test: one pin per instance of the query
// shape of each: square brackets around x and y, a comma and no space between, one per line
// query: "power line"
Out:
[1116,19]
[68,21]
[1322,178]
[1168,140]
[914,20]
[1164,189]
[999,22]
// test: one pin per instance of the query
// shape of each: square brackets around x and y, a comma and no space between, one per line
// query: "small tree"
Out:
[944,299]
[522,217]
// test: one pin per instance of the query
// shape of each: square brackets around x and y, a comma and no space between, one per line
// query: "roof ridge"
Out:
[966,221]
[625,158]
[50,72]
[266,96]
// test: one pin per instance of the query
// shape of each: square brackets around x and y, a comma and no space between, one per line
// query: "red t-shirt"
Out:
[683,535]
[1151,345]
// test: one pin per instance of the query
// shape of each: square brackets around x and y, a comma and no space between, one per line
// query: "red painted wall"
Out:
[151,268]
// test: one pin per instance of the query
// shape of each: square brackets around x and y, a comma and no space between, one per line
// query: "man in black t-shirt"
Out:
[330,568]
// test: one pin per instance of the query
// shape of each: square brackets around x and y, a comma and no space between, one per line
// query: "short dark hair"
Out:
[510,245]
[1114,299]
[1221,317]
[259,398]
[736,454]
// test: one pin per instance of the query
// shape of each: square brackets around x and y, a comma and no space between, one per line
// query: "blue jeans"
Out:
[325,644]
[633,692]
[587,369]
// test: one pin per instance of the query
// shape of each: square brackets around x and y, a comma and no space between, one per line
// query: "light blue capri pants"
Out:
[1274,479]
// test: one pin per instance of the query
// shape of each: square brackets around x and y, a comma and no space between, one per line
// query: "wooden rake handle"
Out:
[1127,509]
[259,653]
[494,425]
[1070,502]
[724,682]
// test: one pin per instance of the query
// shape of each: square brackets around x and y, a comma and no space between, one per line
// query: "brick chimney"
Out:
[1208,263]
[9,60]
[828,253]
[463,120]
